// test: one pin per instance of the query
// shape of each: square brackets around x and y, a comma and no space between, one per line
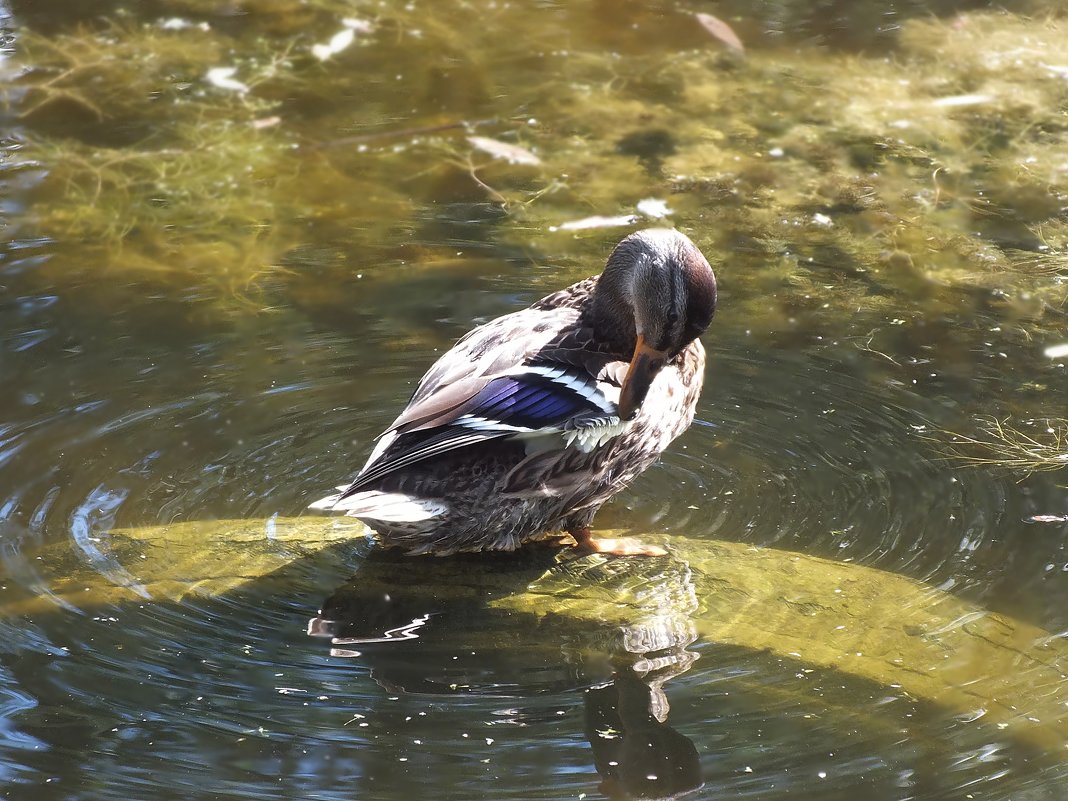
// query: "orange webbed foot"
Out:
[614,546]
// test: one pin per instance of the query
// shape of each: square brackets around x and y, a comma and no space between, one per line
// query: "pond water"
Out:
[234,234]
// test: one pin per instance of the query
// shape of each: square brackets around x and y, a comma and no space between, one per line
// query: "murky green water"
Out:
[217,287]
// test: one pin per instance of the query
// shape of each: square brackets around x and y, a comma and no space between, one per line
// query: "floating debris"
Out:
[223,77]
[338,42]
[358,25]
[513,154]
[654,207]
[1056,351]
[960,101]
[180,24]
[342,39]
[721,31]
[595,222]
[266,122]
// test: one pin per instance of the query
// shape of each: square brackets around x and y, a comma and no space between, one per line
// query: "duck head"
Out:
[657,294]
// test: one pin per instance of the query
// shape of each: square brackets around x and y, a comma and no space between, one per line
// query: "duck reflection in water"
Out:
[611,631]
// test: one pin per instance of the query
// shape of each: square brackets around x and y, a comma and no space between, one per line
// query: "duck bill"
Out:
[644,366]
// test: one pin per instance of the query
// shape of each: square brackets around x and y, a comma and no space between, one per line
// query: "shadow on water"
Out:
[427,630]
[428,627]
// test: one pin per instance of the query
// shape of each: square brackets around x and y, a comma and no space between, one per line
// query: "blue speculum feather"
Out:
[496,390]
[528,401]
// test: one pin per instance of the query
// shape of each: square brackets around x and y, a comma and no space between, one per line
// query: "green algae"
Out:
[875,149]
[840,190]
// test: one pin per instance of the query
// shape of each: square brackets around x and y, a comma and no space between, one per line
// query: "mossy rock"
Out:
[878,626]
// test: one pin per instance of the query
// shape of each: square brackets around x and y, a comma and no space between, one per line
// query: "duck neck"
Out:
[612,312]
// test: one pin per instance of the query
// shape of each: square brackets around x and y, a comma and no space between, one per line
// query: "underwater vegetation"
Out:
[247,154]
[1035,445]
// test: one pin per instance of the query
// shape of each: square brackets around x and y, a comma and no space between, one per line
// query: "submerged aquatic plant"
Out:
[200,152]
[1050,258]
[1028,447]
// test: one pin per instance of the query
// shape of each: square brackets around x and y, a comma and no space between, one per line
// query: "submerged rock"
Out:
[880,627]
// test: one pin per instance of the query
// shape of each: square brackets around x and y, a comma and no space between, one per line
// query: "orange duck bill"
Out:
[644,365]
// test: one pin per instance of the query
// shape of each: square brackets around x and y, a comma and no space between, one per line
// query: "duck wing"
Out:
[525,375]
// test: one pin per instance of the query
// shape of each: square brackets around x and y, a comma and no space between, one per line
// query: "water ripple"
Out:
[794,450]
[807,454]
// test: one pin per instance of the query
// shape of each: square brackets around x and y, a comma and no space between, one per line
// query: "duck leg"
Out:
[617,546]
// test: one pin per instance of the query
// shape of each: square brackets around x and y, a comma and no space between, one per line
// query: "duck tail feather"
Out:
[325,504]
[385,507]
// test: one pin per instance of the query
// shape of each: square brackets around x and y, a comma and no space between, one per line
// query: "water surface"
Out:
[214,295]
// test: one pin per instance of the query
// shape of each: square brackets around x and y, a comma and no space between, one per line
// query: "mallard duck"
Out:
[532,421]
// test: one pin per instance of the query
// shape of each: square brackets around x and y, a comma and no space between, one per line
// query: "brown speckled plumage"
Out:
[481,459]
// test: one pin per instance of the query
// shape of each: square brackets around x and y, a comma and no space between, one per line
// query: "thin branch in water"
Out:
[472,170]
[998,443]
[404,132]
[866,347]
